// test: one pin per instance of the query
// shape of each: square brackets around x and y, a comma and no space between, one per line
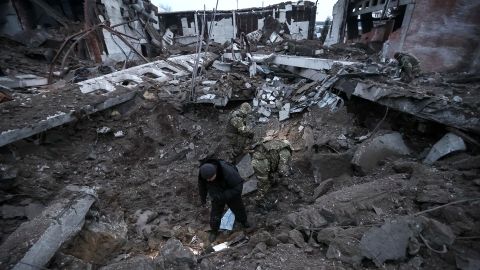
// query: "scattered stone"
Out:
[297,238]
[437,234]
[345,247]
[325,236]
[206,264]
[139,262]
[143,218]
[245,168]
[330,165]
[260,248]
[264,111]
[64,261]
[284,113]
[414,264]
[173,255]
[477,182]
[467,259]
[371,152]
[263,236]
[250,186]
[323,188]
[10,211]
[306,219]
[119,134]
[447,144]
[389,242]
[103,130]
[283,237]
[404,166]
[8,175]
[432,194]
[149,95]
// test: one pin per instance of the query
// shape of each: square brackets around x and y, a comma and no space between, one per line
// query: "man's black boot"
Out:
[246,225]
[212,236]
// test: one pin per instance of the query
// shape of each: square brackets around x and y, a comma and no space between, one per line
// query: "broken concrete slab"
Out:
[244,167]
[418,104]
[44,235]
[250,185]
[345,246]
[298,61]
[36,126]
[323,188]
[173,255]
[11,211]
[223,66]
[377,149]
[25,80]
[389,242]
[433,194]
[449,143]
[284,113]
[138,262]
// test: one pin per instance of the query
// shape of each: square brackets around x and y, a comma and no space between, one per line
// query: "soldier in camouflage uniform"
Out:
[239,134]
[409,66]
[270,157]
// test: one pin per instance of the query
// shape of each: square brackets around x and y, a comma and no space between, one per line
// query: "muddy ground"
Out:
[147,190]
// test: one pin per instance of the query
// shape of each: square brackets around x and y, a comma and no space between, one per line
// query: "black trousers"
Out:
[235,204]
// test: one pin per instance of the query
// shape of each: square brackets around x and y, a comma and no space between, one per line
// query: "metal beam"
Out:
[52,12]
[379,6]
[298,61]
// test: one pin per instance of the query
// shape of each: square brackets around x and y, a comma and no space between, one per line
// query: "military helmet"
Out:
[245,108]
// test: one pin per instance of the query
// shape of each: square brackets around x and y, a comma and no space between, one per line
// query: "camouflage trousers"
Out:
[265,164]
[409,72]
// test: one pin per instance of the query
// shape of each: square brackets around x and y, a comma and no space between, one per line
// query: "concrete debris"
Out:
[23,81]
[345,247]
[284,113]
[48,234]
[245,167]
[448,144]
[297,238]
[392,240]
[149,93]
[322,188]
[371,152]
[173,255]
[389,242]
[138,262]
[250,186]
[119,134]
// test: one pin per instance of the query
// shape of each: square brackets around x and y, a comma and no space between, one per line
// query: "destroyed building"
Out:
[108,107]
[444,34]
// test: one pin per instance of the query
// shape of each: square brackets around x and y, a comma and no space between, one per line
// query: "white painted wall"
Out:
[9,23]
[222,30]
[114,44]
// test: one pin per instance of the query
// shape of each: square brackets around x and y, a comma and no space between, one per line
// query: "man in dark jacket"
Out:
[223,183]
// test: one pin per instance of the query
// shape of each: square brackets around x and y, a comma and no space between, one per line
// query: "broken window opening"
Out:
[168,70]
[150,75]
[129,83]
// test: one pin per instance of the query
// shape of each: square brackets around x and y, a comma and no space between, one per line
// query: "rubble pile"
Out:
[101,139]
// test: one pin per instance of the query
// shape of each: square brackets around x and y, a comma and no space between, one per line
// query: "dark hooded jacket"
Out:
[227,184]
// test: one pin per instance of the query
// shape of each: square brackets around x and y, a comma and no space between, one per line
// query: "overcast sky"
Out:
[324,7]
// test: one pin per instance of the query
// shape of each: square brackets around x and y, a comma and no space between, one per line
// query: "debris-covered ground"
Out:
[99,168]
